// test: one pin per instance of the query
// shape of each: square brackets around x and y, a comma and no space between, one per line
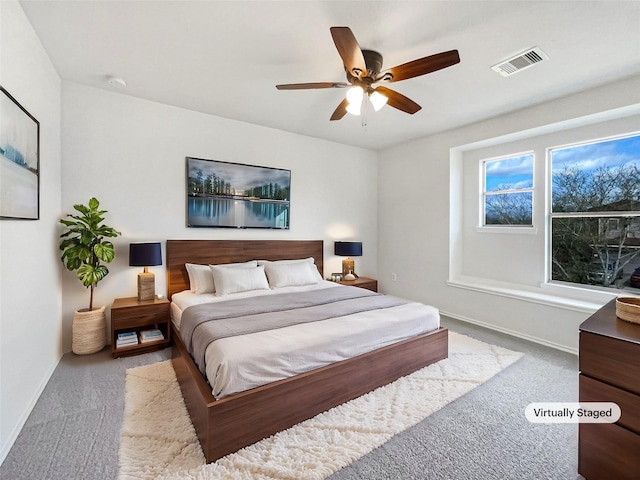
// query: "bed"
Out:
[235,420]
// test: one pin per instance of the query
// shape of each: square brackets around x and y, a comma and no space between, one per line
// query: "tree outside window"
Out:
[595,212]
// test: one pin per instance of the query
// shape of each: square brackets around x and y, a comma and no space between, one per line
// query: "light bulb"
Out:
[377,100]
[354,109]
[354,97]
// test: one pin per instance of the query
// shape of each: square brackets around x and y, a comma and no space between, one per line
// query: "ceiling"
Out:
[225,57]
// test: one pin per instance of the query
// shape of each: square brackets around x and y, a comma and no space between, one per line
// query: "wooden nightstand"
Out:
[362,282]
[131,315]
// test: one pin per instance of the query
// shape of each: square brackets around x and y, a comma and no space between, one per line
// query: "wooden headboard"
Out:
[212,252]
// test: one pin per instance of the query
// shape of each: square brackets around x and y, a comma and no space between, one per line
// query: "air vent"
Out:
[520,62]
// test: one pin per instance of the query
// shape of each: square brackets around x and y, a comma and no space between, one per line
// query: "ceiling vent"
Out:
[520,62]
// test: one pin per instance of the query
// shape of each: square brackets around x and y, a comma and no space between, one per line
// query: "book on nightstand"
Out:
[152,335]
[126,339]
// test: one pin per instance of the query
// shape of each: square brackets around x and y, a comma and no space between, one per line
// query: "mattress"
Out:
[239,363]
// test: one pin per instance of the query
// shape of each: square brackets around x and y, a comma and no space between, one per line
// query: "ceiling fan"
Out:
[364,69]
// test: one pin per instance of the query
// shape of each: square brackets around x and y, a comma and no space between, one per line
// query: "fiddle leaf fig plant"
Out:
[84,247]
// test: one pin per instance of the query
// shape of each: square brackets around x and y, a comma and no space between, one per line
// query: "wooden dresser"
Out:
[610,372]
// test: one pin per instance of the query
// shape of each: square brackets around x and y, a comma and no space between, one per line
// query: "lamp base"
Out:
[146,286]
[348,267]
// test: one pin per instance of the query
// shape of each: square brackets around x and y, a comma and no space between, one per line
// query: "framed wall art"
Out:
[235,195]
[19,161]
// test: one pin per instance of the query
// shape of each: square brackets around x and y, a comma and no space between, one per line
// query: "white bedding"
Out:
[235,364]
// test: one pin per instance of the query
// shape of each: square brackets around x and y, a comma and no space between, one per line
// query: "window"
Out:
[508,191]
[595,212]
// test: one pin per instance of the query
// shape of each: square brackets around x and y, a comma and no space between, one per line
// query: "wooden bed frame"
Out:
[231,423]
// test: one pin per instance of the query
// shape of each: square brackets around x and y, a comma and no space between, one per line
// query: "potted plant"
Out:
[85,249]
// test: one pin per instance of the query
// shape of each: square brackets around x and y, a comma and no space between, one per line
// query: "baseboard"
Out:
[513,333]
[6,448]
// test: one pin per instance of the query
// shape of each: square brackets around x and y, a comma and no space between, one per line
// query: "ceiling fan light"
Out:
[354,97]
[354,108]
[355,94]
[377,100]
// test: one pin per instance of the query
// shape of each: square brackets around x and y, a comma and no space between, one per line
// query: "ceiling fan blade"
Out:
[399,101]
[341,111]
[422,66]
[349,50]
[306,86]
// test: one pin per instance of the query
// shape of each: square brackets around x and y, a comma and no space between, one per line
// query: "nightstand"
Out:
[130,315]
[362,282]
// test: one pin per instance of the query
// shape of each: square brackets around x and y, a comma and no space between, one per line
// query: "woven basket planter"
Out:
[628,308]
[89,331]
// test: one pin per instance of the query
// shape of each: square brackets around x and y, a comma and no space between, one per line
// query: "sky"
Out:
[609,154]
[518,171]
[241,176]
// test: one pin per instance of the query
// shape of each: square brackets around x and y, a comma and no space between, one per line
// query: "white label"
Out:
[573,412]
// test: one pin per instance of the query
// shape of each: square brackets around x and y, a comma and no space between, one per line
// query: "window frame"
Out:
[485,227]
[550,214]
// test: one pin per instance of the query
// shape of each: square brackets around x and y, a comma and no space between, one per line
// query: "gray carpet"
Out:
[484,435]
[74,429]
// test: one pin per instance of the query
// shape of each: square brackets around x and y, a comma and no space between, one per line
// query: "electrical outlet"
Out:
[394,277]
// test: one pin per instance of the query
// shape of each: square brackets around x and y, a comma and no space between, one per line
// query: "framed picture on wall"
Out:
[19,161]
[235,195]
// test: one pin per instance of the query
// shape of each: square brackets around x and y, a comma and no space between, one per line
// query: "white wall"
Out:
[421,230]
[30,285]
[130,154]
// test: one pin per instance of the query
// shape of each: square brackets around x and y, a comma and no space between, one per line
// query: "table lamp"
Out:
[348,249]
[145,255]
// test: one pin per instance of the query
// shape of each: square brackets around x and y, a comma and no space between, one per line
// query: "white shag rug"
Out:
[159,442]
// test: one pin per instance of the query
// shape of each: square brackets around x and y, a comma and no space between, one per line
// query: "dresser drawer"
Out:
[613,361]
[595,391]
[607,452]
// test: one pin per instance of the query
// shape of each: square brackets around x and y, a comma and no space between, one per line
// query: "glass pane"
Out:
[595,251]
[509,209]
[509,173]
[598,177]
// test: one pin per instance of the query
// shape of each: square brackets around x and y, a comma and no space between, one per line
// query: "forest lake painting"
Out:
[235,195]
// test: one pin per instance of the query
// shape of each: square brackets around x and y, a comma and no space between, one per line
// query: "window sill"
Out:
[559,296]
[513,230]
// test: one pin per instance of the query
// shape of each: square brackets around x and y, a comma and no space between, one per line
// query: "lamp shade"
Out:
[348,249]
[145,254]
[354,97]
[377,100]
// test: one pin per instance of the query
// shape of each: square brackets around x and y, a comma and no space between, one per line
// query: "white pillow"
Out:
[249,264]
[234,280]
[296,260]
[310,261]
[290,274]
[201,278]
